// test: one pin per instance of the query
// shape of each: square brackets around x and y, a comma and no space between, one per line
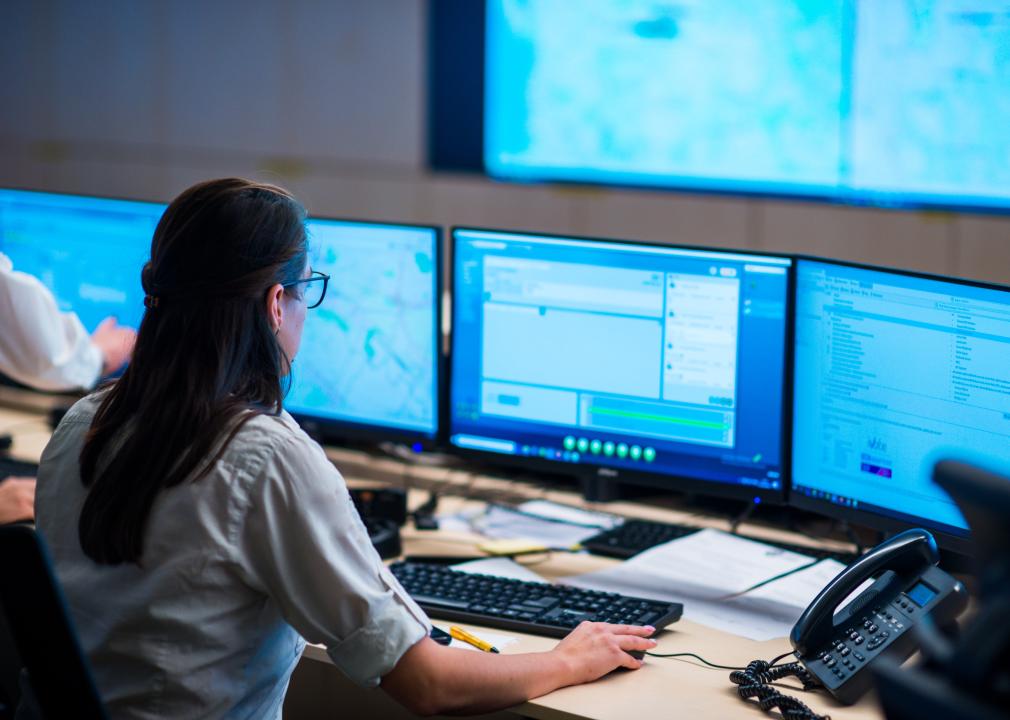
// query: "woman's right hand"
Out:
[593,649]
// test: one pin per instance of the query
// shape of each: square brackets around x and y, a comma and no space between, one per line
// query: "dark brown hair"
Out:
[205,356]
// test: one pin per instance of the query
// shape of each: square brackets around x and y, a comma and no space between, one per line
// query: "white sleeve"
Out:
[303,544]
[39,345]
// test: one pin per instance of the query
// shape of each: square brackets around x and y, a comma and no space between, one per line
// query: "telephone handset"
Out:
[837,647]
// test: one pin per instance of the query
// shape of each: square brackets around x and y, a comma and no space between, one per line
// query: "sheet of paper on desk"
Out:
[771,610]
[705,571]
[573,515]
[708,564]
[501,522]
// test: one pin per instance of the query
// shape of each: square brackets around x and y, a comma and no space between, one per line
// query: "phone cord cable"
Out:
[754,682]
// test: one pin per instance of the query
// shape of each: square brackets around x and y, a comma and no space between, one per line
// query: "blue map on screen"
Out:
[369,352]
[885,100]
[88,251]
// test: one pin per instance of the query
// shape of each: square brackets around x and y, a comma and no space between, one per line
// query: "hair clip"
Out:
[151,301]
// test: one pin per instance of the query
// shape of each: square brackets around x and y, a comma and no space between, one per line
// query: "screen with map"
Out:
[900,102]
[88,251]
[369,353]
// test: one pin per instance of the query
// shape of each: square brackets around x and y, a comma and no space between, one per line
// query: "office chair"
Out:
[965,677]
[43,632]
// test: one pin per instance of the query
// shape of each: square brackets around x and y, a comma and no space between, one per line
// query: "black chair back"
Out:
[43,632]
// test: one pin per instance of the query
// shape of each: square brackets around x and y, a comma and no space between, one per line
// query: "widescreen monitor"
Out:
[644,363]
[894,371]
[863,101]
[89,251]
[369,363]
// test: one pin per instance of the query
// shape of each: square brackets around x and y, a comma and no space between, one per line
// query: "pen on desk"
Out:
[461,634]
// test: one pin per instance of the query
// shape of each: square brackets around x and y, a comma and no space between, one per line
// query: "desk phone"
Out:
[838,647]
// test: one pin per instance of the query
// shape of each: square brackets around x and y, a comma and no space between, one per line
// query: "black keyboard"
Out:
[10,467]
[633,536]
[531,607]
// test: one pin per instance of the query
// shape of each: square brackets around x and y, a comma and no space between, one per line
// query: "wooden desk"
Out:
[673,687]
[662,688]
[30,430]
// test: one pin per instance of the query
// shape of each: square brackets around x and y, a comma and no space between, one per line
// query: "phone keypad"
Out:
[867,634]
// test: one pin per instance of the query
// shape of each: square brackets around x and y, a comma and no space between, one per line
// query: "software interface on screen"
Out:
[369,352]
[651,358]
[892,373]
[869,100]
[88,251]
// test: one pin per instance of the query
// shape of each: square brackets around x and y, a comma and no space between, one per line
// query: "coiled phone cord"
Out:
[755,682]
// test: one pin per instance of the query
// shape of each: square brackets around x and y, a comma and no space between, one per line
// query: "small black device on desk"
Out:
[634,536]
[383,511]
[538,608]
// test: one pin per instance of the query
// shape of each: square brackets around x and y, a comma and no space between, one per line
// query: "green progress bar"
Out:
[659,418]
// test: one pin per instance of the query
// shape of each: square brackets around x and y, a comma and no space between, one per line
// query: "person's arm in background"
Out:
[48,349]
[17,499]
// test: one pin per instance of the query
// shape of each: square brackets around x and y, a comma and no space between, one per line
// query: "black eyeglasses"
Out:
[315,288]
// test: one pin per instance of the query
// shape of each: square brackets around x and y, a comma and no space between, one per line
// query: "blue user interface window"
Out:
[664,360]
[870,101]
[369,353]
[893,373]
[88,251]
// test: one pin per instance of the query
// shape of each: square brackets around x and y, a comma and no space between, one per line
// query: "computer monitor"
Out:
[89,251]
[369,363]
[894,371]
[645,363]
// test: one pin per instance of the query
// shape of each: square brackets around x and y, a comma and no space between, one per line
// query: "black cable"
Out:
[755,682]
[712,664]
[696,657]
[770,580]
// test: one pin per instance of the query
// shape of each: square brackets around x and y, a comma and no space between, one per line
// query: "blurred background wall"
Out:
[141,99]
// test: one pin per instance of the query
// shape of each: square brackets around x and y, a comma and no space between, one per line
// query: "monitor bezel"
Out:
[336,431]
[947,538]
[621,476]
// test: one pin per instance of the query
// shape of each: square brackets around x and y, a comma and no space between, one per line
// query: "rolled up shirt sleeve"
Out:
[302,543]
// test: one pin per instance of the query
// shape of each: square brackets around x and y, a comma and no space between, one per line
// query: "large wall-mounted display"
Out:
[882,102]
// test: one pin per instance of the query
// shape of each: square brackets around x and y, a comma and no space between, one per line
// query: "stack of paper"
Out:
[538,521]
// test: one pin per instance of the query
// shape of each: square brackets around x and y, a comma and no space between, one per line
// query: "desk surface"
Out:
[695,691]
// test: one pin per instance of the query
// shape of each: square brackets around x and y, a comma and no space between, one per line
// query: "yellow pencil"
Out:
[461,634]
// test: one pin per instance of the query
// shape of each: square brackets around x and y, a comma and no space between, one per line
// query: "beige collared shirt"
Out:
[237,569]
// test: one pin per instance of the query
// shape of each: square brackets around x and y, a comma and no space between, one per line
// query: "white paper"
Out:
[708,570]
[500,566]
[455,522]
[504,523]
[707,564]
[572,515]
[497,640]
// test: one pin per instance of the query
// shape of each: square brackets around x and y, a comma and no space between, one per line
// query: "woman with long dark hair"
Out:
[200,535]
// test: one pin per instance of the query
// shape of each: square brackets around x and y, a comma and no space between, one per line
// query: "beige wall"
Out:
[140,99]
